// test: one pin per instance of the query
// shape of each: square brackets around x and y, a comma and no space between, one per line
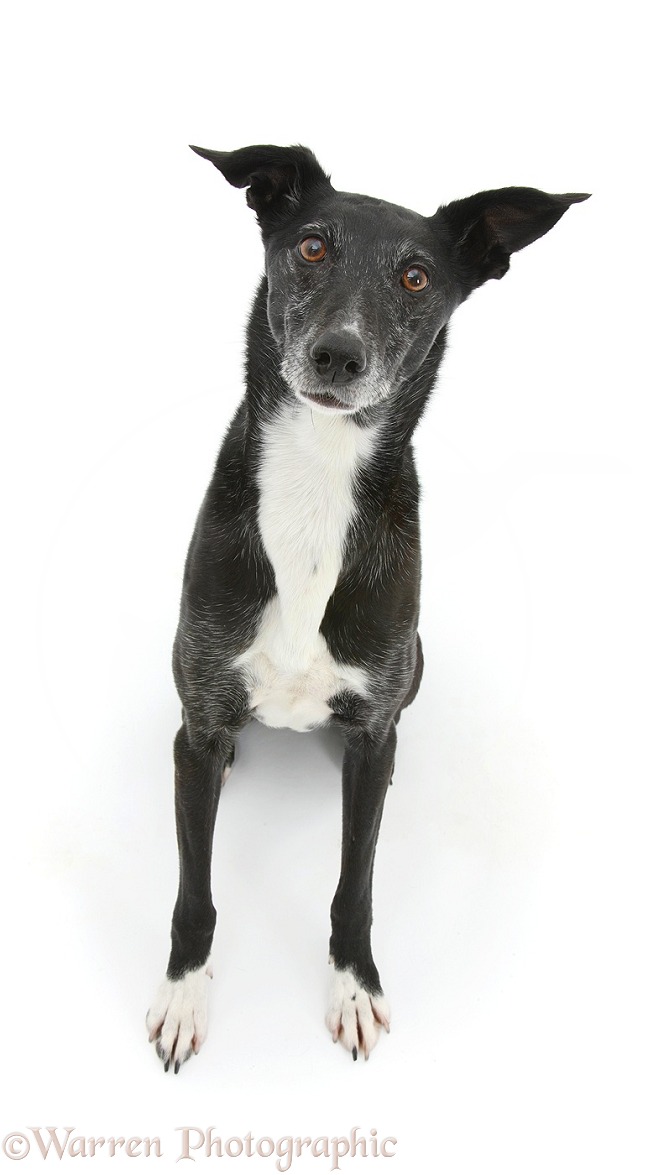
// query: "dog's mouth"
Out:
[327,400]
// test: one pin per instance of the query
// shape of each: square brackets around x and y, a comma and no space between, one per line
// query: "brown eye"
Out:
[414,278]
[313,248]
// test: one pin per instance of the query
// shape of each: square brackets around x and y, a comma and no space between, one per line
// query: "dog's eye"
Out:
[313,248]
[414,278]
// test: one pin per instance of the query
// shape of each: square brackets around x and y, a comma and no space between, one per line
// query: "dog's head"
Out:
[359,289]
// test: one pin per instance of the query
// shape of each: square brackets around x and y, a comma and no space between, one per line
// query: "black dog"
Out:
[301,589]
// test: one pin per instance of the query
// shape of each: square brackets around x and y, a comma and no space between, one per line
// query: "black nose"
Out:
[338,356]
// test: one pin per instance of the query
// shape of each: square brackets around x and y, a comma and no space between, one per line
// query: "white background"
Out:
[521,878]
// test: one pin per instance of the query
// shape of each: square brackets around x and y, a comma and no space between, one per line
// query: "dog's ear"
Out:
[277,178]
[487,228]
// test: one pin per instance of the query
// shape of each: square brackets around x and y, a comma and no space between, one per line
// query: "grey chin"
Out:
[346,399]
[326,402]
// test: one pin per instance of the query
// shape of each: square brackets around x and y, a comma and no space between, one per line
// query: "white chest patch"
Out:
[306,504]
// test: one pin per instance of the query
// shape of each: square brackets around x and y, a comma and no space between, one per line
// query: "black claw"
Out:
[167,1064]
[177,1066]
[355,1053]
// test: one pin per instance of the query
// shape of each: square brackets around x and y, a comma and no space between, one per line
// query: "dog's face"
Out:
[359,289]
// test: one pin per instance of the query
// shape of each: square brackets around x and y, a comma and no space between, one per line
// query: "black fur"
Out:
[371,617]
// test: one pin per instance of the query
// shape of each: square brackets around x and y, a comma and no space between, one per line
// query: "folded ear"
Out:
[277,178]
[487,228]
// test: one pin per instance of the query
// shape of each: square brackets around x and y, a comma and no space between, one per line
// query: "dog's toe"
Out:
[177,1019]
[355,1015]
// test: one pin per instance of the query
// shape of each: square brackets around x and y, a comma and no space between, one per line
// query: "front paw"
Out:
[177,1018]
[355,1016]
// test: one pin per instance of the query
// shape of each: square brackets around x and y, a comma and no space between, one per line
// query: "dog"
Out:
[301,587]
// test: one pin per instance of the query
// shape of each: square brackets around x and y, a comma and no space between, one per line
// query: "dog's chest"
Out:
[306,481]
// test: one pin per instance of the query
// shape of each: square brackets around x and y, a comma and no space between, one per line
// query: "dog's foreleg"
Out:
[357,1006]
[177,1019]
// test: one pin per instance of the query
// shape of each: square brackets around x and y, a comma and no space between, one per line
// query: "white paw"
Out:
[354,1016]
[177,1018]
